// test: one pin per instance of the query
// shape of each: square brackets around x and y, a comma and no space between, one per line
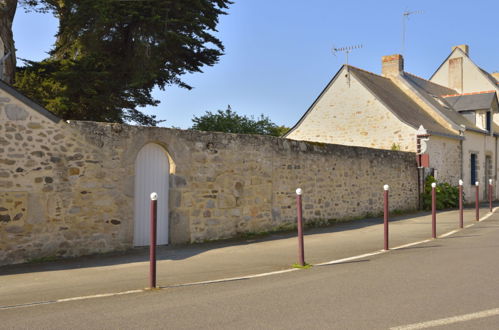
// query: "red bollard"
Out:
[460,203]
[477,209]
[301,252]
[386,189]
[433,211]
[490,195]
[152,243]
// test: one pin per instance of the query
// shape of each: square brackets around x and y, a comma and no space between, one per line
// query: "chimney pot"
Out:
[392,65]
[464,48]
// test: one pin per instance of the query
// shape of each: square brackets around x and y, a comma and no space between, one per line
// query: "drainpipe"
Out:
[461,170]
[461,143]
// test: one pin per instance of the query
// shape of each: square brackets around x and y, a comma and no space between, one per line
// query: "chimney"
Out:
[456,74]
[392,65]
[464,48]
[496,75]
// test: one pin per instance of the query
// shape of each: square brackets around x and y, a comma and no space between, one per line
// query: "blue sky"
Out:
[278,53]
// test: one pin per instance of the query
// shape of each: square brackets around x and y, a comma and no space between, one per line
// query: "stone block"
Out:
[15,112]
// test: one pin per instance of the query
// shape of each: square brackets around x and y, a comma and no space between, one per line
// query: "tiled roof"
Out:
[471,101]
[398,102]
[490,77]
[432,92]
[429,86]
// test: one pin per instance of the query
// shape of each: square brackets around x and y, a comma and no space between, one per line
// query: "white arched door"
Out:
[151,175]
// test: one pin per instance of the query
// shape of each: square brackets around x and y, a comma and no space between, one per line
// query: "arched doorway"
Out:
[151,175]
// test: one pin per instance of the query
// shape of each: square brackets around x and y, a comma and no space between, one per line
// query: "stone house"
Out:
[450,120]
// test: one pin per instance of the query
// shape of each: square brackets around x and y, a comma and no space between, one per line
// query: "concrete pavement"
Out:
[33,283]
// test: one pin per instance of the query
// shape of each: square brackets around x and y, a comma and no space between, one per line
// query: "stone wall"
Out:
[56,197]
[445,156]
[68,189]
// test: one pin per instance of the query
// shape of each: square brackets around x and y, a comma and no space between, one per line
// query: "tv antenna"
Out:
[405,17]
[347,50]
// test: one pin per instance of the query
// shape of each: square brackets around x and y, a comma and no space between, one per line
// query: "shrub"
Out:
[447,195]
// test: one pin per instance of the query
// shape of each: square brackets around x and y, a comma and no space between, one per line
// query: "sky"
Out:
[279,53]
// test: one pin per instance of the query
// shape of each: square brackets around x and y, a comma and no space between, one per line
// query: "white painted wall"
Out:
[473,79]
[482,145]
[351,115]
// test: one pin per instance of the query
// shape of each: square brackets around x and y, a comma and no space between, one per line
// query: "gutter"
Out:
[451,136]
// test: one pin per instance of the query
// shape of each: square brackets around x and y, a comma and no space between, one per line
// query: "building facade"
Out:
[451,119]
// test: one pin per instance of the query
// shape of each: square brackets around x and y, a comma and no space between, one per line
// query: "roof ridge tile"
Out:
[470,93]
[369,72]
[431,82]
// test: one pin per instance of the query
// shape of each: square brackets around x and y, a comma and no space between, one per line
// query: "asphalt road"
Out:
[452,282]
[28,283]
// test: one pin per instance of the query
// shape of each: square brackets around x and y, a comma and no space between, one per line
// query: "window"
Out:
[473,169]
[488,123]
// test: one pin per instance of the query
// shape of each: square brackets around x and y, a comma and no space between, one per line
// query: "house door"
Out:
[151,175]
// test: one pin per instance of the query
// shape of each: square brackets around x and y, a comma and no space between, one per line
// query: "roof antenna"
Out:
[405,17]
[347,50]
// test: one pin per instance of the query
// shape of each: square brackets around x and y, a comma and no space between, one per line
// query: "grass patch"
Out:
[307,266]
[319,144]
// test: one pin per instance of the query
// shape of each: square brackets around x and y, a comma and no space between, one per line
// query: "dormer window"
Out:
[477,107]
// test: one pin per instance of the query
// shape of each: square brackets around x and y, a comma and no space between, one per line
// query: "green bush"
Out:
[447,195]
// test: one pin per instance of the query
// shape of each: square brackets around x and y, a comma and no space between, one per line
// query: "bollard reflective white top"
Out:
[433,184]
[154,196]
[490,181]
[386,187]
[299,191]
[461,182]
[476,183]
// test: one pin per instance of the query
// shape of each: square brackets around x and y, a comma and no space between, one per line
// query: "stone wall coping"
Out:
[194,135]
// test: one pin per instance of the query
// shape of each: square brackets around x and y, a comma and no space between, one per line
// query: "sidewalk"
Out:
[30,283]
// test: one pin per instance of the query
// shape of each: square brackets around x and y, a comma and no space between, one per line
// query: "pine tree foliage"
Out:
[110,54]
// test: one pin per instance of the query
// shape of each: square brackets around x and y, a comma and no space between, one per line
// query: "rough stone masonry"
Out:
[67,189]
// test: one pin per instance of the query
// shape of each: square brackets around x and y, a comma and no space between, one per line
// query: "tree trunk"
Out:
[7,12]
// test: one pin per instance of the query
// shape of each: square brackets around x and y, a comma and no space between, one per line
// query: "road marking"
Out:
[449,233]
[449,320]
[410,244]
[489,214]
[230,279]
[338,261]
[332,262]
[103,295]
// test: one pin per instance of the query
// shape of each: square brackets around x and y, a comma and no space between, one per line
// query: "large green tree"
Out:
[230,122]
[110,54]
